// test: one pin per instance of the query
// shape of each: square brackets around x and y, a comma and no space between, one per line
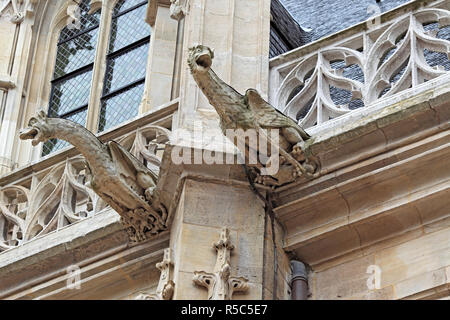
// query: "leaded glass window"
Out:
[72,75]
[126,64]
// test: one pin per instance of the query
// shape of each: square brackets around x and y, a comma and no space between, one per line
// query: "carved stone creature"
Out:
[251,111]
[117,176]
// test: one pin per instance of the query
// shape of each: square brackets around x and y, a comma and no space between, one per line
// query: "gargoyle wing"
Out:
[129,164]
[269,117]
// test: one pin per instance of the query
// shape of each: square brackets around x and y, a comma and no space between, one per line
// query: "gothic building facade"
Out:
[129,188]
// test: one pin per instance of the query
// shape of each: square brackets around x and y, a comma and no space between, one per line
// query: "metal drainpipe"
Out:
[299,281]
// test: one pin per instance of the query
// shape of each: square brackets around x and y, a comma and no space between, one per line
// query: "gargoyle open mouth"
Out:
[204,61]
[32,134]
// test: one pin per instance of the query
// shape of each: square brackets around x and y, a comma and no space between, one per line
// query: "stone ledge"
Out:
[431,285]
[363,211]
[375,173]
[22,266]
[6,82]
[94,244]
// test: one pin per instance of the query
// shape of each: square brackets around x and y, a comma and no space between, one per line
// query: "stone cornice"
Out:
[99,238]
[19,9]
[361,163]
[420,116]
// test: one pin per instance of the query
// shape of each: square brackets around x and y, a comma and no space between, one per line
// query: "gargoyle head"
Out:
[38,129]
[200,58]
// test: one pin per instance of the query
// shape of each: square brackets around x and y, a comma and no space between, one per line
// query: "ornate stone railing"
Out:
[401,51]
[54,193]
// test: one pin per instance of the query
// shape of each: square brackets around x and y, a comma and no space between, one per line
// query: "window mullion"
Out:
[99,67]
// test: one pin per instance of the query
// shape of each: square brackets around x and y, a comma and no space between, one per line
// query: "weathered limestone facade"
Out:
[371,223]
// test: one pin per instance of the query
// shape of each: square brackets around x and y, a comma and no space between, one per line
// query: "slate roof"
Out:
[285,33]
[325,17]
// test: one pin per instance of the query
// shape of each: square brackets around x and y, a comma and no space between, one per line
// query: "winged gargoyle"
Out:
[123,182]
[251,111]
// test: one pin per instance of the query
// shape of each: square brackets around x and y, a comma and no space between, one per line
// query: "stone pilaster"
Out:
[241,57]
[204,209]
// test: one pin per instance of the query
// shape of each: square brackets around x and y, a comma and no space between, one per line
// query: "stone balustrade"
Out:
[54,192]
[384,60]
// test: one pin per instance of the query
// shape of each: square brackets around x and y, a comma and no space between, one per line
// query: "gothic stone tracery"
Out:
[68,192]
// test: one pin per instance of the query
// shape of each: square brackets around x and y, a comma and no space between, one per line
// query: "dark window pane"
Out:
[76,53]
[126,64]
[54,144]
[128,28]
[121,107]
[70,94]
[126,68]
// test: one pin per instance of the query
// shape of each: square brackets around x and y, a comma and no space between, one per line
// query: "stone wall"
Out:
[408,269]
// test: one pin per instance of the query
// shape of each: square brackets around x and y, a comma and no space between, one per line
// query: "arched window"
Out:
[72,74]
[123,81]
[126,63]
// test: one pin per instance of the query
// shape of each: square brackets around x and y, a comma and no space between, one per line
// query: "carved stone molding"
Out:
[166,286]
[343,76]
[219,283]
[95,5]
[6,83]
[178,9]
[16,9]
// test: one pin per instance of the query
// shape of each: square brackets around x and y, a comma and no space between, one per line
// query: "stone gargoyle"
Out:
[123,182]
[252,112]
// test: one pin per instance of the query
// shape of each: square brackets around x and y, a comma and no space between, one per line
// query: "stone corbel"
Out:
[219,284]
[178,9]
[6,83]
[19,8]
[166,285]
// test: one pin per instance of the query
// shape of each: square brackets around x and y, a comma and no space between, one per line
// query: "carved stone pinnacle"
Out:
[166,286]
[219,283]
